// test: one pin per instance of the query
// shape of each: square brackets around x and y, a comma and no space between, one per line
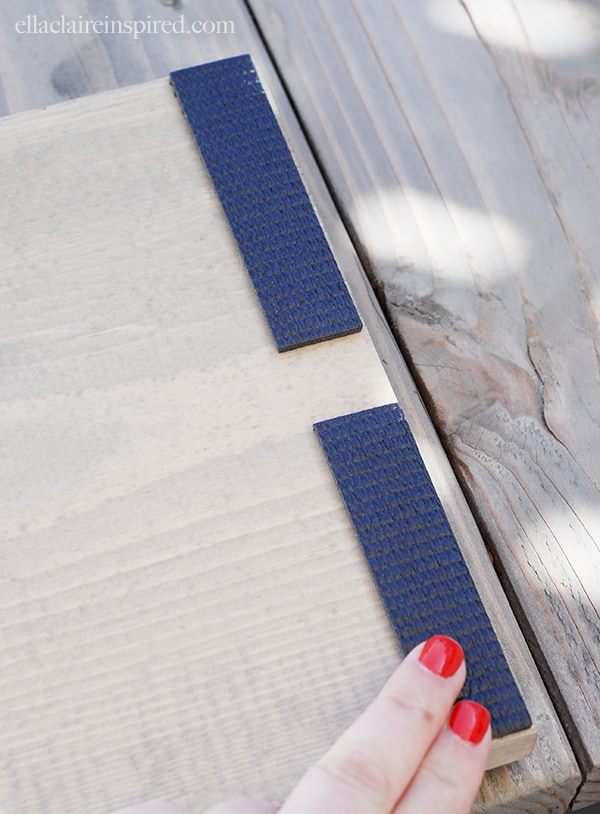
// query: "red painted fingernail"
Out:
[442,655]
[470,721]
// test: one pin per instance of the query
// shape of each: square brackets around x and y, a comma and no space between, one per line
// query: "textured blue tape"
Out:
[287,256]
[414,558]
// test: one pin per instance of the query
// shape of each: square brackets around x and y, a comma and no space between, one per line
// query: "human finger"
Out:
[451,773]
[374,761]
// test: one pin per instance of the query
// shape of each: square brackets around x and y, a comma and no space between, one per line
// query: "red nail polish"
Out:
[470,721]
[442,655]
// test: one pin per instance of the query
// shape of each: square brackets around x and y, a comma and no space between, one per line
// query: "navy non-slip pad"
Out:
[285,251]
[414,558]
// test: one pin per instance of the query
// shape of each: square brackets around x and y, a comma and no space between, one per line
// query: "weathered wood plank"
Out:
[552,76]
[41,69]
[123,773]
[465,164]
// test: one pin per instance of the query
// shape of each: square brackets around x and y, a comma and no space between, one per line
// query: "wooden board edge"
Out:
[511,747]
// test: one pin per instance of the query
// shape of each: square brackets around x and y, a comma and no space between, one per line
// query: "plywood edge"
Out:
[511,747]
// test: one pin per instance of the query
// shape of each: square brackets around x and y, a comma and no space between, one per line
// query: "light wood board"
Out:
[141,421]
[181,585]
[460,140]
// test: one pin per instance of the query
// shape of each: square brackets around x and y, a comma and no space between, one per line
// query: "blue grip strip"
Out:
[423,581]
[300,288]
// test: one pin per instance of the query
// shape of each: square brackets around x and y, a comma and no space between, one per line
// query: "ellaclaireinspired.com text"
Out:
[34,24]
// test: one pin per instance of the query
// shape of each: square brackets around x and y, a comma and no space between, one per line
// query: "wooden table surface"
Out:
[461,141]
[458,144]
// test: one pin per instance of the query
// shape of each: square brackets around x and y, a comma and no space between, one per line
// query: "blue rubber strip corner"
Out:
[415,561]
[298,283]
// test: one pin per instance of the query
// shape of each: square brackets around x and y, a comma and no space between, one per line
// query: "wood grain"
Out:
[107,560]
[170,529]
[42,69]
[170,526]
[460,142]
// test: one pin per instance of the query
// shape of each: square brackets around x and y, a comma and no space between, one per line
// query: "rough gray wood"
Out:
[544,782]
[460,139]
[41,69]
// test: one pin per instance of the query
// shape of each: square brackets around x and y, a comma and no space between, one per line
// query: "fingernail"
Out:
[470,721]
[442,655]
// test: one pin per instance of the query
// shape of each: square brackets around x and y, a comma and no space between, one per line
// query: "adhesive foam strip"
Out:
[298,283]
[414,558]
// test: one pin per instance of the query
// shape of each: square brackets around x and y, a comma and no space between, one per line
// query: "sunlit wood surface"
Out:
[461,142]
[457,145]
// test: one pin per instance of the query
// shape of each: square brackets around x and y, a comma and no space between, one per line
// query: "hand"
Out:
[411,751]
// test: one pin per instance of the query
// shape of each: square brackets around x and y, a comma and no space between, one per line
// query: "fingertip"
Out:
[454,767]
[441,655]
[470,721]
